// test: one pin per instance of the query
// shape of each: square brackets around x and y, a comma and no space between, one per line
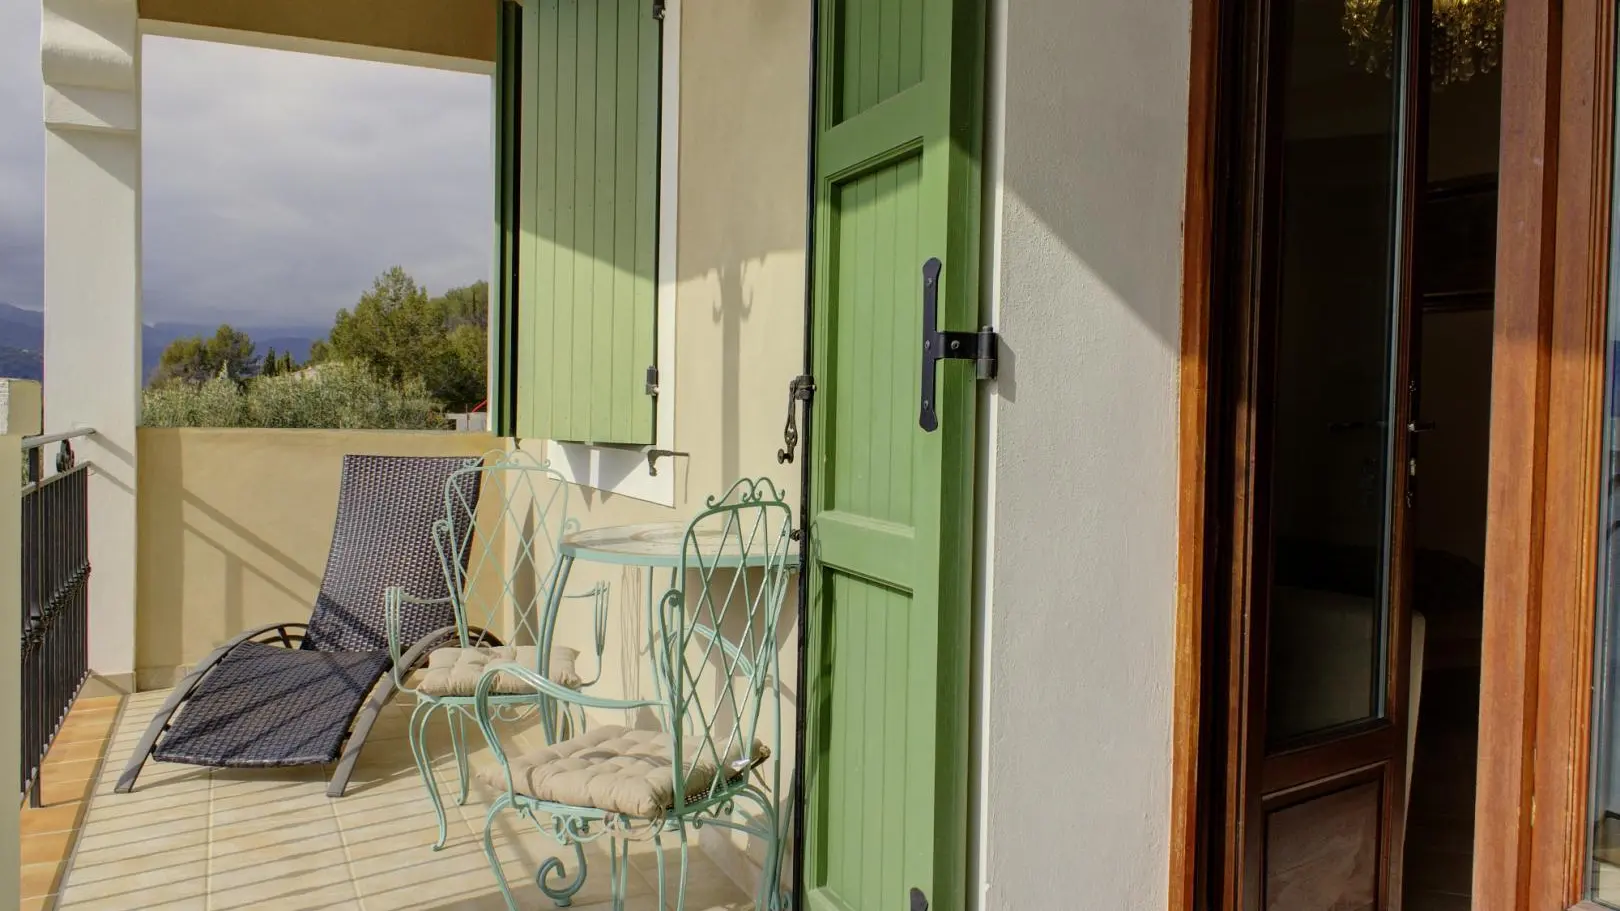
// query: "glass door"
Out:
[1321,455]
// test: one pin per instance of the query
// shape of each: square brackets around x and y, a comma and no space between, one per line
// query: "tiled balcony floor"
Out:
[192,838]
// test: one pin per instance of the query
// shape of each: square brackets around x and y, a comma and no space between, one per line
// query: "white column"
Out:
[90,60]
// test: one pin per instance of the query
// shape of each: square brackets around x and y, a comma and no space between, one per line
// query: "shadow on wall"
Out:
[234,528]
[1113,223]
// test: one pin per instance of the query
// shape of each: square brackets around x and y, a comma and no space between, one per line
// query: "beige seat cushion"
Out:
[455,671]
[619,770]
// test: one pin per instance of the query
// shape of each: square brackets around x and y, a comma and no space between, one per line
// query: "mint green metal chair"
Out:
[498,551]
[713,640]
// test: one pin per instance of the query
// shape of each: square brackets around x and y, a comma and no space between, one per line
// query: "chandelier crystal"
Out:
[1466,37]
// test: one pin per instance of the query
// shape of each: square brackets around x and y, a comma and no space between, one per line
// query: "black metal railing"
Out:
[55,596]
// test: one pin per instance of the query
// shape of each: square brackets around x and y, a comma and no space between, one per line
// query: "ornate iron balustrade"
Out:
[55,596]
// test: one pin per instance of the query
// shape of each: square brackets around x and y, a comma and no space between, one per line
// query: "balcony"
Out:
[199,838]
[234,527]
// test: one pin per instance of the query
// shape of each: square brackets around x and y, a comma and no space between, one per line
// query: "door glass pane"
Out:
[1603,882]
[1336,233]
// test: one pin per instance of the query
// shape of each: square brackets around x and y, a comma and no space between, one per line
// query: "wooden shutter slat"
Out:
[588,297]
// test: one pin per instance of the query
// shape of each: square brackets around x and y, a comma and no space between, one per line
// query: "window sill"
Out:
[620,470]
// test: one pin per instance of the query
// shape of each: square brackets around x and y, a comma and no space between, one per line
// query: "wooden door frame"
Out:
[1545,464]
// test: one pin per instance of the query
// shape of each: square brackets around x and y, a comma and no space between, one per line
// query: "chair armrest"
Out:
[284,629]
[218,654]
[545,689]
[395,599]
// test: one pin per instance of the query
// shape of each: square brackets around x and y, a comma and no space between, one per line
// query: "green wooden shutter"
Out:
[891,506]
[588,185]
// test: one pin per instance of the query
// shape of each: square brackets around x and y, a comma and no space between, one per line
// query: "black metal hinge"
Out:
[919,901]
[981,347]
[801,388]
[652,381]
[658,9]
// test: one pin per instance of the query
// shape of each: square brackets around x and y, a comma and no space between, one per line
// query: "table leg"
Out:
[548,630]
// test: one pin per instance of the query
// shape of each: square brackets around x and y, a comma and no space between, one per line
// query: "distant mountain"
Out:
[21,328]
[22,339]
[21,364]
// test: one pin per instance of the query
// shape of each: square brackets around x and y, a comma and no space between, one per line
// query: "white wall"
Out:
[90,60]
[1077,668]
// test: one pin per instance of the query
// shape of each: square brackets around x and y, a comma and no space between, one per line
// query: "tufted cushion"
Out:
[618,769]
[455,671]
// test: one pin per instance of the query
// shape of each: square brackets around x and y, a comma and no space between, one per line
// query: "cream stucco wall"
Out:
[1077,658]
[234,527]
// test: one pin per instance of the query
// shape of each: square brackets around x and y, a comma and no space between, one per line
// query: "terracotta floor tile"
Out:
[60,818]
[75,752]
[76,731]
[40,879]
[97,705]
[48,848]
[74,770]
[54,791]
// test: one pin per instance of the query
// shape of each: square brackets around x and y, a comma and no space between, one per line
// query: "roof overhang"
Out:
[457,34]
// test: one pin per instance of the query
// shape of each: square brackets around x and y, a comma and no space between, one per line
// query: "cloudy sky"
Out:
[276,185]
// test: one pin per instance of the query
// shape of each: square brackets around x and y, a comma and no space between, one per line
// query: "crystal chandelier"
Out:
[1466,37]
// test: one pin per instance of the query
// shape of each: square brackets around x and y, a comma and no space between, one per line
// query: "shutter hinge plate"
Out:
[652,381]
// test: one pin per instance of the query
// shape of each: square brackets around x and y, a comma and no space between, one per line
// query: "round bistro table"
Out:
[650,546]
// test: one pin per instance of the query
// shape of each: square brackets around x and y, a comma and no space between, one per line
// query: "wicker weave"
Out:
[269,706]
[386,511]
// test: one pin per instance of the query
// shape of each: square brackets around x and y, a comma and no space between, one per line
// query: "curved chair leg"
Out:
[358,734]
[489,850]
[563,896]
[160,721]
[619,873]
[458,742]
[416,734]
[149,739]
[686,858]
[658,852]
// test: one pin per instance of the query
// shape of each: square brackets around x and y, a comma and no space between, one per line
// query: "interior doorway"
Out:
[1352,452]
[1455,268]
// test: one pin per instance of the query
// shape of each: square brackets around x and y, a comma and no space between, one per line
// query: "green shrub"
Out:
[336,396]
[215,403]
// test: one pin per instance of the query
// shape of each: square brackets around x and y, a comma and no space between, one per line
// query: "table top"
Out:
[658,545]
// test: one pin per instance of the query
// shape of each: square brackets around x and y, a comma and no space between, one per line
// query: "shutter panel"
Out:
[503,325]
[588,185]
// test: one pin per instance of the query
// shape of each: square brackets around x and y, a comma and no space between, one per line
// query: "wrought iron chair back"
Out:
[716,638]
[499,553]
